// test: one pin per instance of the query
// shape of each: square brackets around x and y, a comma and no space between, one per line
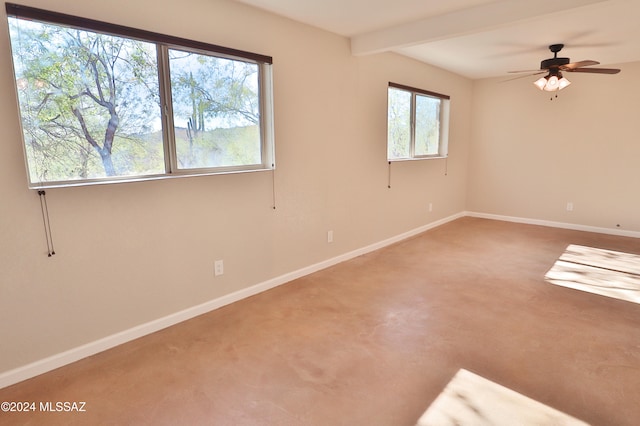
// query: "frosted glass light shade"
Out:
[551,83]
[541,82]
[562,83]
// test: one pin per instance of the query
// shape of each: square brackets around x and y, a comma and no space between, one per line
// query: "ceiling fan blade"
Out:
[580,64]
[596,70]
[523,76]
[516,72]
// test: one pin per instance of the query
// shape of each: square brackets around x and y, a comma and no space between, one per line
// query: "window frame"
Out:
[163,44]
[443,123]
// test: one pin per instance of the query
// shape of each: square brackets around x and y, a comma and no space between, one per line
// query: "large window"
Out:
[417,123]
[103,103]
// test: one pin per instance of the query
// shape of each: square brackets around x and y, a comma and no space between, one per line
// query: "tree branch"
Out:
[85,131]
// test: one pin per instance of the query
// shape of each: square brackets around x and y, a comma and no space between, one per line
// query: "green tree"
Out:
[427,131]
[90,105]
[210,93]
[81,94]
[399,123]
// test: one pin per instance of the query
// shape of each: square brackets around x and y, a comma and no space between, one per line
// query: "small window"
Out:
[417,123]
[104,103]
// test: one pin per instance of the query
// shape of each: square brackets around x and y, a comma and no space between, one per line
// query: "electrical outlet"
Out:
[218,268]
[430,207]
[329,236]
[569,206]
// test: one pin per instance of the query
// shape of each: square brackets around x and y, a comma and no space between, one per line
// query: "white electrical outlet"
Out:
[569,206]
[329,236]
[218,268]
[430,207]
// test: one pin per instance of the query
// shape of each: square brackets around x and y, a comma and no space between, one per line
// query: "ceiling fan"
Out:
[554,67]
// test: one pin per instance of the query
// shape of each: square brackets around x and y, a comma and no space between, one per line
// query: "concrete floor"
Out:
[373,341]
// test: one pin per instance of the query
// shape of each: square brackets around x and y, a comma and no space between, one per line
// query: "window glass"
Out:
[399,124]
[427,125]
[89,103]
[417,123]
[100,102]
[216,110]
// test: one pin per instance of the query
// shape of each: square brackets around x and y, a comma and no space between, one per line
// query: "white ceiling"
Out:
[477,38]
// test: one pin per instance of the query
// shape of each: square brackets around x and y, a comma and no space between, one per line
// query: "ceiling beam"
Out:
[463,22]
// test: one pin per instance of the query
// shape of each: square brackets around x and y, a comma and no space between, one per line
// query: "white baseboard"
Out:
[51,363]
[573,226]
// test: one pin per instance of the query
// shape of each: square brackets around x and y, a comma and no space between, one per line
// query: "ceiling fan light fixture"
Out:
[551,83]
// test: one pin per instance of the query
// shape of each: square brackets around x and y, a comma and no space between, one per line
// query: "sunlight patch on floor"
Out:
[470,399]
[604,272]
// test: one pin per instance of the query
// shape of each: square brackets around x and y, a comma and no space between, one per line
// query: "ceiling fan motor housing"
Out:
[553,63]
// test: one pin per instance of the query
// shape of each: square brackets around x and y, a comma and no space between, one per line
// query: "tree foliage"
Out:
[86,99]
[208,93]
[424,134]
[427,125]
[90,105]
[399,124]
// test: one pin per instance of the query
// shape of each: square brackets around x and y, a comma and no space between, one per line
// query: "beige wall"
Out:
[531,156]
[132,253]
